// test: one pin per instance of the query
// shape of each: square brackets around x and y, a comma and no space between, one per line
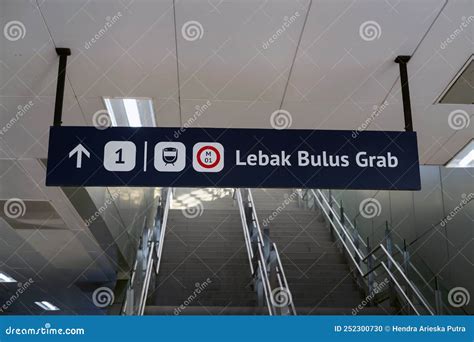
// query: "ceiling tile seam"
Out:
[67,76]
[310,3]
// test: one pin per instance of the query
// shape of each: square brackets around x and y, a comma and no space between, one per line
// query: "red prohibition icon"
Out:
[213,149]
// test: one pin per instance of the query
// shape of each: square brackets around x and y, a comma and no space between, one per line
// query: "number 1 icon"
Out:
[120,156]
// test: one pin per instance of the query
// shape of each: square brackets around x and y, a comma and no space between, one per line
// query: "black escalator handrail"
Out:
[159,219]
[248,244]
[258,260]
[152,256]
[133,271]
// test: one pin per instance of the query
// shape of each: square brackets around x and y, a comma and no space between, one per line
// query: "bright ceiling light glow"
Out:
[110,111]
[467,159]
[464,158]
[47,306]
[133,116]
[5,278]
[130,112]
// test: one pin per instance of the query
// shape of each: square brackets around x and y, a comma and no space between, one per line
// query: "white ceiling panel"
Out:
[229,61]
[24,45]
[227,114]
[27,135]
[356,116]
[334,60]
[119,46]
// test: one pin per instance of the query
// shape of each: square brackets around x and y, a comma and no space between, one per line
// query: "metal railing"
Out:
[265,264]
[370,264]
[148,259]
[428,283]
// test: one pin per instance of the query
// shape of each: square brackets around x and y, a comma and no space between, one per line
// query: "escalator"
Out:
[204,268]
[317,271]
[207,255]
[267,252]
[407,289]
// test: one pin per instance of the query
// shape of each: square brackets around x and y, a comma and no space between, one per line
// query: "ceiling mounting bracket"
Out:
[402,63]
[58,106]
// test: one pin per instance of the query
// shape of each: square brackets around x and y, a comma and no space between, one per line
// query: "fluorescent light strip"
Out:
[133,116]
[47,306]
[110,111]
[467,159]
[464,158]
[5,278]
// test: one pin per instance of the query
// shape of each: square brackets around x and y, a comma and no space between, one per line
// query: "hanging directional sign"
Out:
[215,157]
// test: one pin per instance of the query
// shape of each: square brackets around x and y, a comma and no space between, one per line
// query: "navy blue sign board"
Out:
[217,157]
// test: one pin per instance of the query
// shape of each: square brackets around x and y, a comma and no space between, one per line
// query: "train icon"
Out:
[170,155]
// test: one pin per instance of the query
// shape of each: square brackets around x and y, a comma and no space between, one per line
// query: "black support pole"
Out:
[58,107]
[402,63]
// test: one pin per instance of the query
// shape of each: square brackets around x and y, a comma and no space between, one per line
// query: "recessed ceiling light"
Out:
[459,90]
[47,306]
[131,112]
[5,278]
[464,158]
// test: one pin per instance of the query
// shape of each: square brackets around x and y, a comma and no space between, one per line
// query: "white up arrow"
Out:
[79,150]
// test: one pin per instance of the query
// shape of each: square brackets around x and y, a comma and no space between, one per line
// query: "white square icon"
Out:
[208,157]
[120,156]
[170,156]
